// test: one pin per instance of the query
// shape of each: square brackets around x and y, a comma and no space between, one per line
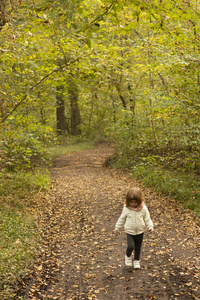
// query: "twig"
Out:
[104,13]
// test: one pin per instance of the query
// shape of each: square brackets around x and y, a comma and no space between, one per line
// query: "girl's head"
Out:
[134,198]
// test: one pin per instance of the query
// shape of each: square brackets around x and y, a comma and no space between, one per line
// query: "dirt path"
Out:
[82,259]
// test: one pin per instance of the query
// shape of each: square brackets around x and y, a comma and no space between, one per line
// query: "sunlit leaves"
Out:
[122,50]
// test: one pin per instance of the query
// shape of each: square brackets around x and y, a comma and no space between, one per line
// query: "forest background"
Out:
[122,71]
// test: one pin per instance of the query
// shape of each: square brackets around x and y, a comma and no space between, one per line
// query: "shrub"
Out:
[24,148]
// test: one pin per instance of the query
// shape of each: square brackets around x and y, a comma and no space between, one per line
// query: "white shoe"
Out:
[128,261]
[136,264]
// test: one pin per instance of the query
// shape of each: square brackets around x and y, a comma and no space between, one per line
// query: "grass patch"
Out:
[19,240]
[185,188]
[64,149]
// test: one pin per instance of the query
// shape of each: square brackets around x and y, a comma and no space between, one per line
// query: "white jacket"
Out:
[134,222]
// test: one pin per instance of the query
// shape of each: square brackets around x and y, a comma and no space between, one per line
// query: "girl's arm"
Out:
[121,221]
[147,220]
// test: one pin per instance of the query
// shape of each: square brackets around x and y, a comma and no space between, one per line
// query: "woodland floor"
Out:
[80,256]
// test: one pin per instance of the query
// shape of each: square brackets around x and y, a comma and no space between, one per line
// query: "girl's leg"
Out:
[130,244]
[138,244]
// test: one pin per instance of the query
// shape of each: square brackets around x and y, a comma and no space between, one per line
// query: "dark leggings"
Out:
[134,242]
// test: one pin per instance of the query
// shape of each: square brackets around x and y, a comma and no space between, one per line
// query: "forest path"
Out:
[82,259]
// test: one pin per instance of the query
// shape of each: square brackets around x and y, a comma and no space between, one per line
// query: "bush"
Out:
[26,147]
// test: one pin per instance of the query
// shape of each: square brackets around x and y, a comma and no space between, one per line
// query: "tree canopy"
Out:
[125,69]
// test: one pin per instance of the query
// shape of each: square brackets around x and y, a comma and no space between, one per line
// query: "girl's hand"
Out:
[151,229]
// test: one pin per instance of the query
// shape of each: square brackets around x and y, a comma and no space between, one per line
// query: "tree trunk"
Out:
[121,96]
[75,112]
[43,116]
[151,81]
[62,126]
[1,108]
[3,5]
[131,99]
[94,96]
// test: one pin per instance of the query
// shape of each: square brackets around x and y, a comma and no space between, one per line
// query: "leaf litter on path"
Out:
[82,259]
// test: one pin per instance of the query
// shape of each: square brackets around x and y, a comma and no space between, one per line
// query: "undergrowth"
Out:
[185,188]
[18,239]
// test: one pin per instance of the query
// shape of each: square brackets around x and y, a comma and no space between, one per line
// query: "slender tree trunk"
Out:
[132,102]
[94,96]
[121,96]
[62,126]
[1,108]
[152,88]
[43,116]
[75,112]
[3,5]
[114,107]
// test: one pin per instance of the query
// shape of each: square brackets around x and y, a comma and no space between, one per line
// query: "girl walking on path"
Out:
[135,217]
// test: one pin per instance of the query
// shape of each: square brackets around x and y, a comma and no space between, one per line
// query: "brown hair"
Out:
[134,194]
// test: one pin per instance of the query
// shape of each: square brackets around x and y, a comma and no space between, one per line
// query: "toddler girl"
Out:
[134,218]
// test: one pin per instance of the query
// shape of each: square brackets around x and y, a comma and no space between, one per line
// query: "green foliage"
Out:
[136,145]
[19,240]
[19,188]
[26,146]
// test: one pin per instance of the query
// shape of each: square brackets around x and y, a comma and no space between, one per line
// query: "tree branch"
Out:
[163,81]
[104,13]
